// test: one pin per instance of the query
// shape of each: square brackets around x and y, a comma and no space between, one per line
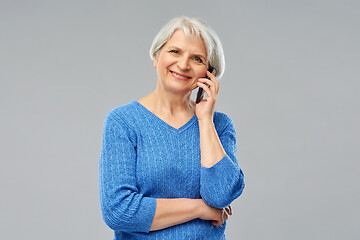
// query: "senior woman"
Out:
[168,167]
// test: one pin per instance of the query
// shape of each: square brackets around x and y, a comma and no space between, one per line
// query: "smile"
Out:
[179,76]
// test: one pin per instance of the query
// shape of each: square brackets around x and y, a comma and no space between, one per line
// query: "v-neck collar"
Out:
[156,118]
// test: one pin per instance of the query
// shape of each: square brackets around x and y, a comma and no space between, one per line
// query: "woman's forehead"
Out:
[179,39]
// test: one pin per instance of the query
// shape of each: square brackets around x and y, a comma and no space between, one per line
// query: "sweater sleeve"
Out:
[223,182]
[123,207]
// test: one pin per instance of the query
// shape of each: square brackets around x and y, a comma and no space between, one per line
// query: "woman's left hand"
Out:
[205,108]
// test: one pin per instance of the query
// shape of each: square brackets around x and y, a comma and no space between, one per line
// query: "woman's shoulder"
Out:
[119,120]
[221,121]
[122,112]
[220,117]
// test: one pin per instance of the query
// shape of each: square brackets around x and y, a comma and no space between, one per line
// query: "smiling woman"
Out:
[168,167]
[181,62]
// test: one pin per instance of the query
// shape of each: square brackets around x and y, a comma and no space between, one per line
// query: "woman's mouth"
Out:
[179,76]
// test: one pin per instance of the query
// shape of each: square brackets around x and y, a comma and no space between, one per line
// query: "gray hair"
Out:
[215,53]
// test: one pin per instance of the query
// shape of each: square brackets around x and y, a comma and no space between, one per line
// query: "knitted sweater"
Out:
[144,158]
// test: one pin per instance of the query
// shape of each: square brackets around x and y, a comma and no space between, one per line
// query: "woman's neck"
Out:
[168,103]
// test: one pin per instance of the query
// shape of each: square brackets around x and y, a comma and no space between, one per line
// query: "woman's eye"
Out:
[197,59]
[174,51]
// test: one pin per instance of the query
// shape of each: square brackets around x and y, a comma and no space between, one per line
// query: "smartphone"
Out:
[200,93]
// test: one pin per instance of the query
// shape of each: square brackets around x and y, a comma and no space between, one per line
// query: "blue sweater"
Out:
[143,158]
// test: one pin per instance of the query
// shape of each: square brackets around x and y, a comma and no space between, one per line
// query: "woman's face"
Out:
[181,62]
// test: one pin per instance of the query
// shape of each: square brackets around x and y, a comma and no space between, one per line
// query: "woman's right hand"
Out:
[215,215]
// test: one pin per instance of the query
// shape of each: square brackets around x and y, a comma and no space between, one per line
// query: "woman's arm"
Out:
[212,150]
[123,207]
[221,179]
[170,212]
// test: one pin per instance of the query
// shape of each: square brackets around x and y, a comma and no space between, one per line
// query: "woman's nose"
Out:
[183,63]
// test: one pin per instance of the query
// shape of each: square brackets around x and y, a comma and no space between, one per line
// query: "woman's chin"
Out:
[179,89]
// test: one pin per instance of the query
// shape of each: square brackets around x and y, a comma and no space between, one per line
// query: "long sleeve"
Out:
[223,182]
[123,207]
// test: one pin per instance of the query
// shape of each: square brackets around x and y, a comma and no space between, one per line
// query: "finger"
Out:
[228,210]
[207,81]
[224,215]
[210,75]
[213,78]
[212,84]
[209,93]
[207,90]
[215,223]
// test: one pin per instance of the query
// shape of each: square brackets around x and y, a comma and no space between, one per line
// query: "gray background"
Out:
[290,86]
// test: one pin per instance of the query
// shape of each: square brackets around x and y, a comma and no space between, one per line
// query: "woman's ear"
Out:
[156,56]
